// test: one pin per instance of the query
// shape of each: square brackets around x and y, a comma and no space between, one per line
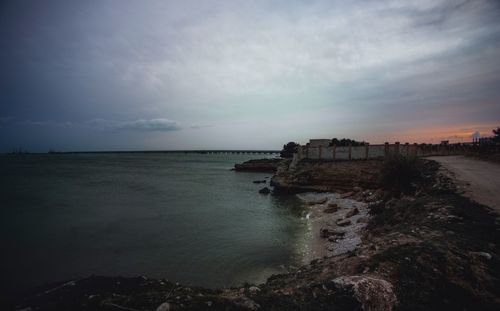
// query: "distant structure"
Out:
[323,149]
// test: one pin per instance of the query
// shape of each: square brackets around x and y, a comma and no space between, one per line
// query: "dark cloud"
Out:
[6,119]
[159,124]
[47,123]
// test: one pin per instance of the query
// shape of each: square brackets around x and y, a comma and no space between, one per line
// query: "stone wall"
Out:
[317,151]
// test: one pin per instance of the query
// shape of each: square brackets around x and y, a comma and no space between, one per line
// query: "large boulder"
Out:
[372,293]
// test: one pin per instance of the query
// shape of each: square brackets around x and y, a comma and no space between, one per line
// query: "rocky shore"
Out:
[432,249]
[332,176]
[336,222]
[259,165]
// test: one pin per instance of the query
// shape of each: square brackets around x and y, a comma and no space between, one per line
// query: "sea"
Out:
[185,217]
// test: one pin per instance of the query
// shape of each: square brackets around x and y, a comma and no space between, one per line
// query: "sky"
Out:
[170,75]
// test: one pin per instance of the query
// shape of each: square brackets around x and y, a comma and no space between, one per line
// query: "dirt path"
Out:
[479,179]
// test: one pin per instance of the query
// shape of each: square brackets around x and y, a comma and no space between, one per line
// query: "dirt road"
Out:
[479,179]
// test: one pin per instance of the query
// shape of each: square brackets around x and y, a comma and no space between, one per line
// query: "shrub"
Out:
[496,135]
[401,174]
[289,149]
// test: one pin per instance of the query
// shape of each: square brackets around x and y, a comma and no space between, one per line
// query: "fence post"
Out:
[396,149]
[367,146]
[386,149]
[350,147]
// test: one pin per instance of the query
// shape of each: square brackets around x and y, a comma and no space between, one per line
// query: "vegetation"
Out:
[400,174]
[346,142]
[289,149]
[496,135]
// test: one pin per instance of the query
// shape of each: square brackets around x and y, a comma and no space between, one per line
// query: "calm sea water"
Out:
[184,217]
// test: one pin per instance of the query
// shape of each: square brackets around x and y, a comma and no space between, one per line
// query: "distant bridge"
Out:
[179,151]
[232,151]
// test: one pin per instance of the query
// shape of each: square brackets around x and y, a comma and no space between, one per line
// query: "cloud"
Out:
[6,119]
[150,125]
[48,123]
[159,124]
[199,126]
[290,52]
[365,68]
[146,125]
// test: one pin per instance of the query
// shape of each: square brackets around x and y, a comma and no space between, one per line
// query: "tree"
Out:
[289,149]
[496,132]
[345,142]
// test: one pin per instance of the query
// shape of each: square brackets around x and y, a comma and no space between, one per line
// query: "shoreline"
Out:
[419,251]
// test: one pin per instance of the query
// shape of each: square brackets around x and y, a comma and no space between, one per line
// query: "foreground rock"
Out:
[259,165]
[372,293]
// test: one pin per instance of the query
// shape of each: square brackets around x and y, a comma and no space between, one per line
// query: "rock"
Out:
[363,220]
[164,307]
[376,196]
[346,195]
[352,212]
[259,181]
[259,165]
[265,190]
[343,222]
[253,289]
[240,300]
[357,189]
[391,203]
[325,233]
[332,208]
[484,255]
[372,293]
[332,238]
[320,200]
[247,303]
